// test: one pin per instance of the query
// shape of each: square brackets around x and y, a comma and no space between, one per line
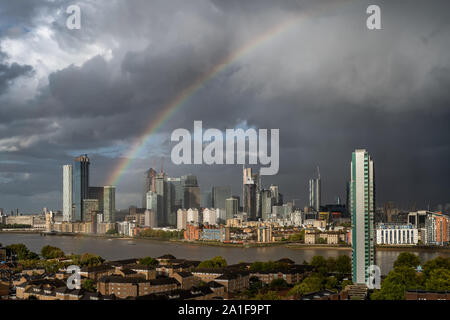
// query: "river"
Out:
[115,249]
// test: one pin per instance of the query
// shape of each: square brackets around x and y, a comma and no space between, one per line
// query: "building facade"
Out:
[362,204]
[67,193]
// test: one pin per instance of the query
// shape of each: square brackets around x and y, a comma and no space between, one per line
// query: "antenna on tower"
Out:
[162,165]
[318,172]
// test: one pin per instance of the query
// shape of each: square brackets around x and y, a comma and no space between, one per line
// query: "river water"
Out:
[115,249]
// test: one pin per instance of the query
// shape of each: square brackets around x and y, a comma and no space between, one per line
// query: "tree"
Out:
[321,241]
[111,231]
[216,262]
[49,252]
[436,263]
[278,283]
[22,252]
[438,280]
[331,264]
[343,265]
[308,285]
[89,285]
[319,264]
[149,261]
[269,295]
[407,259]
[332,283]
[400,279]
[87,259]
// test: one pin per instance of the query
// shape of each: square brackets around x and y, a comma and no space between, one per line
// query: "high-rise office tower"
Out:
[80,185]
[362,204]
[97,193]
[267,202]
[231,207]
[219,196]
[109,204]
[67,193]
[191,192]
[175,199]
[162,189]
[149,184]
[249,202]
[206,199]
[155,204]
[314,192]
[276,195]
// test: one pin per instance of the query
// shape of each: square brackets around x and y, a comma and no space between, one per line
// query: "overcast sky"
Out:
[327,82]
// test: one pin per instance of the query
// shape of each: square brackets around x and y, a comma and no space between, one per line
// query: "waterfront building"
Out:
[193,216]
[437,228]
[90,206]
[264,233]
[150,219]
[181,219]
[209,216]
[362,205]
[67,193]
[393,234]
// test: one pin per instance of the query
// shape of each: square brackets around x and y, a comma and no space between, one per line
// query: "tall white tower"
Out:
[362,204]
[67,193]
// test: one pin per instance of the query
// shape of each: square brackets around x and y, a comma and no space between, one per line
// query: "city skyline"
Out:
[334,86]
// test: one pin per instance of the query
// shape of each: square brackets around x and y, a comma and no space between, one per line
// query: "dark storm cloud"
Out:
[328,84]
[10,72]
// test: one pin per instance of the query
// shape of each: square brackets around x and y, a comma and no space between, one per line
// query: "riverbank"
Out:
[285,244]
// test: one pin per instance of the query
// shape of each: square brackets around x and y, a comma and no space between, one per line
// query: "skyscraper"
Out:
[162,189]
[109,204]
[362,204]
[219,196]
[314,192]
[97,193]
[155,205]
[80,185]
[191,192]
[67,193]
[249,190]
[231,207]
[175,199]
[267,202]
[149,185]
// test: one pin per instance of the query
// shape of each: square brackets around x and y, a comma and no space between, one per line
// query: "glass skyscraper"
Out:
[362,204]
[80,185]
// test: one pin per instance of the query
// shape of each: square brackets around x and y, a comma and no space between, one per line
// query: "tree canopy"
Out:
[49,252]
[148,261]
[216,262]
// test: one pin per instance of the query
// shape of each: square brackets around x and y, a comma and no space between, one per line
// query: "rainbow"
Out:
[182,97]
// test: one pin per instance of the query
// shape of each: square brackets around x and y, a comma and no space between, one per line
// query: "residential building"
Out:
[362,205]
[67,193]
